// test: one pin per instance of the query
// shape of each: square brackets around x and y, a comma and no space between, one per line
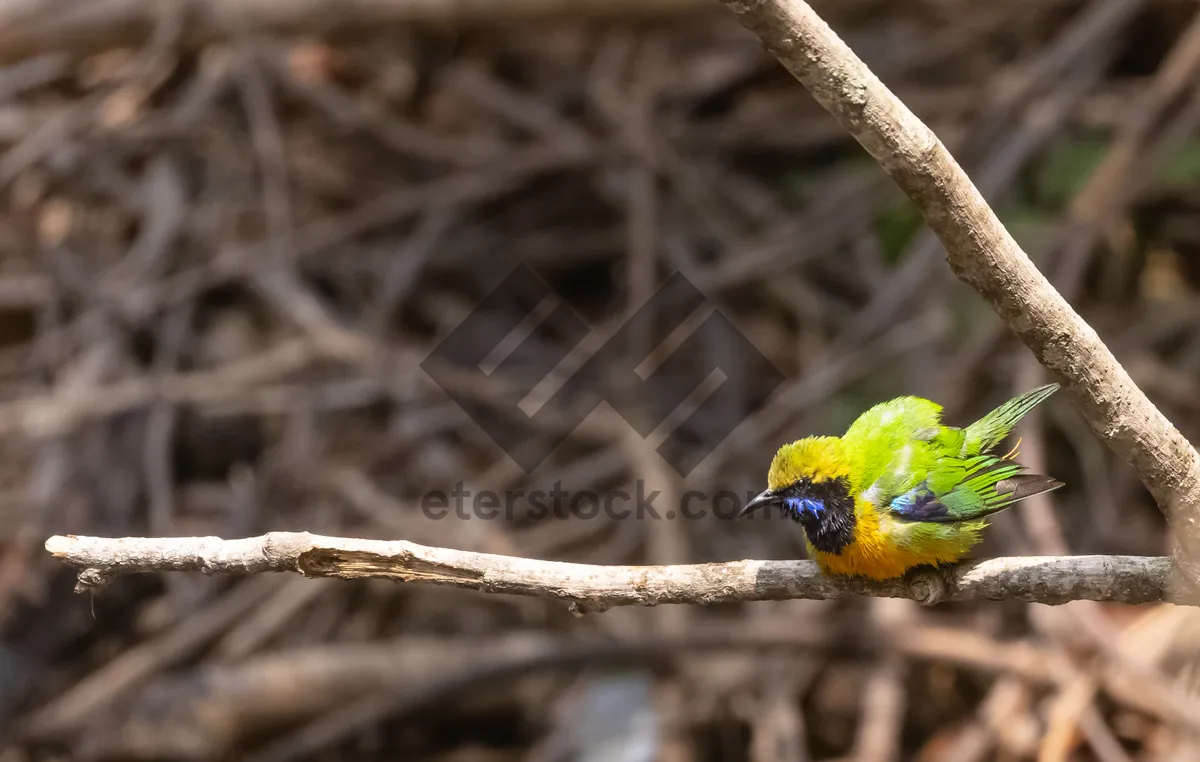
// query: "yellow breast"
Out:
[884,548]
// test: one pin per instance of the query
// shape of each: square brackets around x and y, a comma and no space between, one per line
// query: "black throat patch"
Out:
[832,529]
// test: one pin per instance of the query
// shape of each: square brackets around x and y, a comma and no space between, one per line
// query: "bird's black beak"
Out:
[765,498]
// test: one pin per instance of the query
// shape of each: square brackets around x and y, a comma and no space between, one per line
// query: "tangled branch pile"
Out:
[224,263]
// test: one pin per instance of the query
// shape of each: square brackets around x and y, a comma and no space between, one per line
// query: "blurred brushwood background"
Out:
[230,233]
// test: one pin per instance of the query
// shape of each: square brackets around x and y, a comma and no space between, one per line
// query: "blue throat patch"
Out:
[802,505]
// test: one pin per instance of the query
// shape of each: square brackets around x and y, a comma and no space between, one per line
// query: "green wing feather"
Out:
[925,471]
[980,486]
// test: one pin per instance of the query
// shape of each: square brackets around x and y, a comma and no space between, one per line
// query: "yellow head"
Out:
[809,481]
[812,459]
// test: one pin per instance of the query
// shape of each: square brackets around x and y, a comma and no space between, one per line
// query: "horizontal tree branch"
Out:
[1046,579]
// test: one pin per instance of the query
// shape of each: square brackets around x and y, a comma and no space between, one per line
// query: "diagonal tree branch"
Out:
[1050,580]
[983,254]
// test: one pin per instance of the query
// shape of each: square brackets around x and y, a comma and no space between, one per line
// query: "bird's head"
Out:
[809,481]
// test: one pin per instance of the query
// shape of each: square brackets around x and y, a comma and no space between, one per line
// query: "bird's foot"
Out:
[929,584]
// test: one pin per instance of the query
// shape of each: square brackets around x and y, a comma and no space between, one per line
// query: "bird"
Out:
[900,489]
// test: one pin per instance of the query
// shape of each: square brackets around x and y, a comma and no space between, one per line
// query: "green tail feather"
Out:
[991,429]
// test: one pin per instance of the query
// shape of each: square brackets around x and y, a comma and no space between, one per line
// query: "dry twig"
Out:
[29,28]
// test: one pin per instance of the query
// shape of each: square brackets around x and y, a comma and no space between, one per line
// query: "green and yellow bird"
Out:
[899,489]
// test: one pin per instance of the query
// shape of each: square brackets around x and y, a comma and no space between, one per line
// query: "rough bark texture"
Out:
[983,254]
[1051,580]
